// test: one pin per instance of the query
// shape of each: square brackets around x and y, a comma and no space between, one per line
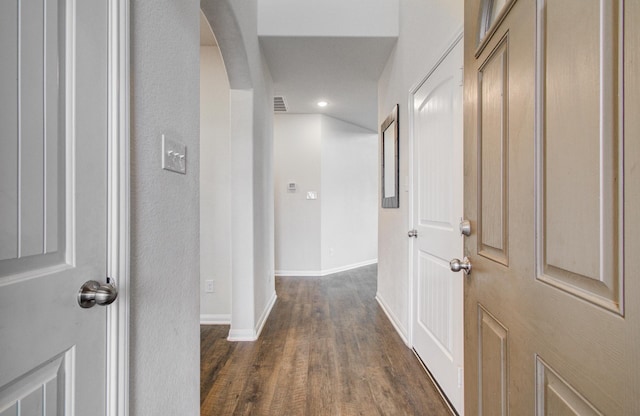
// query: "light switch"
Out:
[312,195]
[174,156]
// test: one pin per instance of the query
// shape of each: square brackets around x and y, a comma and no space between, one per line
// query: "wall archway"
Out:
[224,24]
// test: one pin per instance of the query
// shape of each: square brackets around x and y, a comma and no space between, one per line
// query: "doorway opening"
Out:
[215,182]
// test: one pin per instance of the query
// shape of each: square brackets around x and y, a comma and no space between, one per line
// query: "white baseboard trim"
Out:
[326,272]
[265,314]
[212,319]
[242,335]
[253,334]
[400,329]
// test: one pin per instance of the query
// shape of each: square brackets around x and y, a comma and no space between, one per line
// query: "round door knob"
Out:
[456,265]
[465,228]
[92,293]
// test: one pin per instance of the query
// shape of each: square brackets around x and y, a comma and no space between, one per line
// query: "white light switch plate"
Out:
[174,156]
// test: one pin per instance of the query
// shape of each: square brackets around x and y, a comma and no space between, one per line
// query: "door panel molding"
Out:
[32,176]
[9,227]
[579,233]
[554,395]
[489,22]
[42,388]
[493,364]
[493,151]
[436,314]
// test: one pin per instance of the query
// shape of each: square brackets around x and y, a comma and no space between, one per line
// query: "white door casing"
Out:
[437,327]
[118,178]
[64,205]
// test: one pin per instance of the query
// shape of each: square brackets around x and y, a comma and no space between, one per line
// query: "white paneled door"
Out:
[53,205]
[437,331]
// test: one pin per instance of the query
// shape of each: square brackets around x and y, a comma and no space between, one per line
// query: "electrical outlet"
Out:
[208,286]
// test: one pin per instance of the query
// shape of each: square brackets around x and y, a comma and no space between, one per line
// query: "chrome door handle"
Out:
[93,292]
[413,233]
[456,265]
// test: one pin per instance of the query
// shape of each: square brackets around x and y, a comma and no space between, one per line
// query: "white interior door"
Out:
[438,205]
[53,205]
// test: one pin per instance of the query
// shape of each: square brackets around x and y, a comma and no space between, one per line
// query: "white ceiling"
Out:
[343,71]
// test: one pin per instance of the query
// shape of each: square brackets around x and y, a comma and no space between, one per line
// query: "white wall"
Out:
[264,282]
[251,140]
[164,331]
[263,293]
[215,188]
[338,161]
[349,195]
[427,28]
[297,158]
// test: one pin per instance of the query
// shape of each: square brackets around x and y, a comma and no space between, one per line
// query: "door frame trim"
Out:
[118,235]
[458,37]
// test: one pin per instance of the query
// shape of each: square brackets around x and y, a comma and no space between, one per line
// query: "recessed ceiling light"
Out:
[322,103]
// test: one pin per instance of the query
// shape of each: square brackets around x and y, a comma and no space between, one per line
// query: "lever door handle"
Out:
[413,233]
[92,293]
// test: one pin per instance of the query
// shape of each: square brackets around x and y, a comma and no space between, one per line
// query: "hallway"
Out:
[326,349]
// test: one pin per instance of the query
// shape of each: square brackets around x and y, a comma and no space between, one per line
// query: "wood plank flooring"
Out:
[326,349]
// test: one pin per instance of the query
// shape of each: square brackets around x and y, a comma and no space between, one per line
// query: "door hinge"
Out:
[461,76]
[460,377]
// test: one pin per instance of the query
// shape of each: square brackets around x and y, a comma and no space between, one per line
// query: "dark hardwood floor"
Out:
[326,349]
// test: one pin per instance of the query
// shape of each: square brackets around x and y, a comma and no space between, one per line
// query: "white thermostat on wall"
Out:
[291,187]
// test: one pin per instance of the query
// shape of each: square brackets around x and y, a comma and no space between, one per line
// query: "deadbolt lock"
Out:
[465,227]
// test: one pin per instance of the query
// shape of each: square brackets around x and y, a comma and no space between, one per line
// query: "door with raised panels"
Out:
[552,189]
[53,202]
[437,210]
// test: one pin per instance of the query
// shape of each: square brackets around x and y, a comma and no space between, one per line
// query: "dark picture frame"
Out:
[389,143]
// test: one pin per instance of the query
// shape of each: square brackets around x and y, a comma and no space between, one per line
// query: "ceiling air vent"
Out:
[279,105]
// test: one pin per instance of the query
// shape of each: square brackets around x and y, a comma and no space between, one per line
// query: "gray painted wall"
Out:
[298,158]
[164,209]
[235,25]
[215,187]
[350,195]
[263,214]
[338,161]
[427,28]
